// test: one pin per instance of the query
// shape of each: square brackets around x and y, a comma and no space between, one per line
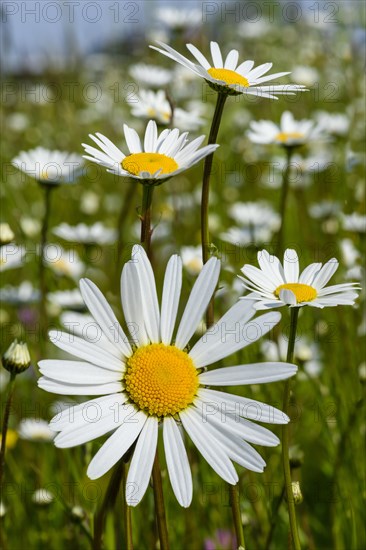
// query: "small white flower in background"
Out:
[151,75]
[276,285]
[31,227]
[179,18]
[289,133]
[17,122]
[301,168]
[354,222]
[3,509]
[156,381]
[305,351]
[350,254]
[324,209]
[227,77]
[156,160]
[192,259]
[6,234]
[67,299]
[49,167]
[34,429]
[336,124]
[253,29]
[63,262]
[23,294]
[42,497]
[11,256]
[305,75]
[257,222]
[97,233]
[89,203]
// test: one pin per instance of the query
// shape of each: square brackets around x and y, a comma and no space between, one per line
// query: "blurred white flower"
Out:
[89,203]
[192,259]
[63,262]
[17,122]
[354,222]
[49,167]
[6,234]
[305,351]
[23,294]
[81,233]
[350,254]
[34,429]
[150,75]
[42,497]
[31,227]
[179,18]
[305,75]
[336,124]
[67,299]
[324,209]
[289,133]
[257,222]
[11,256]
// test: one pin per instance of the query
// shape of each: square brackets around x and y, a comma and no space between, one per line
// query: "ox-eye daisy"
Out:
[159,158]
[289,133]
[227,77]
[49,167]
[275,285]
[156,381]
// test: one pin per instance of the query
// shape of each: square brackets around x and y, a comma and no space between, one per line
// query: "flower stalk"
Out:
[42,271]
[283,199]
[159,504]
[146,230]
[286,435]
[4,429]
[235,508]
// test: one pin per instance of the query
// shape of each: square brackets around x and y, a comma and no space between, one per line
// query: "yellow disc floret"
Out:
[284,137]
[303,293]
[161,380]
[230,77]
[149,162]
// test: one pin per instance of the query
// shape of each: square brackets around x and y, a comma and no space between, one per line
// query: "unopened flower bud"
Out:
[16,359]
[296,492]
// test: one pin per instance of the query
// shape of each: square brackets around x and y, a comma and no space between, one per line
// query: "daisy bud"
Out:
[6,234]
[16,359]
[296,492]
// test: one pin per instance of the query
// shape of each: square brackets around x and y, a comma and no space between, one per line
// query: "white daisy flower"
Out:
[179,18]
[158,159]
[275,285]
[227,76]
[67,299]
[257,221]
[63,262]
[11,256]
[290,132]
[35,430]
[354,222]
[23,294]
[151,75]
[86,234]
[156,380]
[49,167]
[336,124]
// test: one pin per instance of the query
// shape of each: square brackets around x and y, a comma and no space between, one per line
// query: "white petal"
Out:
[93,423]
[291,266]
[307,276]
[78,389]
[132,139]
[288,297]
[170,300]
[85,350]
[77,372]
[255,373]
[117,445]
[199,298]
[132,304]
[177,462]
[229,326]
[199,56]
[142,462]
[234,338]
[216,55]
[104,316]
[222,403]
[326,272]
[151,136]
[231,60]
[208,446]
[149,296]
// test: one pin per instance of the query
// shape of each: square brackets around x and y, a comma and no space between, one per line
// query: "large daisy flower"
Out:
[159,158]
[49,167]
[275,285]
[153,379]
[227,76]
[289,133]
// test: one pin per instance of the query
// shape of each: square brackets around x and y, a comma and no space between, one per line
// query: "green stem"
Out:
[107,504]
[286,435]
[159,504]
[146,230]
[42,272]
[235,507]
[283,200]
[123,215]
[205,200]
[126,513]
[5,425]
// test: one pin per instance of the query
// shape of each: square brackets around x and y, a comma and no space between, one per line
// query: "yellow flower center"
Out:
[303,293]
[284,137]
[230,77]
[161,380]
[149,162]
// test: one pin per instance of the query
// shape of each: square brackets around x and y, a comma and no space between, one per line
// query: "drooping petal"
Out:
[256,373]
[177,462]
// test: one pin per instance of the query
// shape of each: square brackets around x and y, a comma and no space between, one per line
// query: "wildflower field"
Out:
[182,282]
